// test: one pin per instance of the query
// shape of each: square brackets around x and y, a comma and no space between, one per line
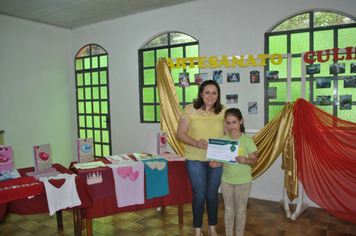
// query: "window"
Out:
[170,45]
[310,31]
[92,86]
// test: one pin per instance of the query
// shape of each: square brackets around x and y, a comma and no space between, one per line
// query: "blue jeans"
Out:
[205,183]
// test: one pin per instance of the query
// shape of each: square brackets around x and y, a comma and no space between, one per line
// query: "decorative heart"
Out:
[160,165]
[151,164]
[124,172]
[44,156]
[57,182]
[134,175]
[3,158]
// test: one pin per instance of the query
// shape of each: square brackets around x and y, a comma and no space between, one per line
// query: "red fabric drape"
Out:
[325,150]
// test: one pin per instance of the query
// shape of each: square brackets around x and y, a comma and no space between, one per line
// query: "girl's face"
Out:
[233,124]
[209,95]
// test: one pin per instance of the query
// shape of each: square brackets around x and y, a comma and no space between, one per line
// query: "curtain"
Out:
[325,150]
[169,105]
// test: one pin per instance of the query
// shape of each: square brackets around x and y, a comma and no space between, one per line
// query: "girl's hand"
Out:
[202,143]
[215,164]
[241,160]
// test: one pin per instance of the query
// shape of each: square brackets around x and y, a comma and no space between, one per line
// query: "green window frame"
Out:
[169,45]
[310,31]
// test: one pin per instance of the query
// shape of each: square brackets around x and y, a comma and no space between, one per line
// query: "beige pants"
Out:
[235,200]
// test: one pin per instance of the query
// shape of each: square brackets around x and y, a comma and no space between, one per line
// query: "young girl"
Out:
[236,178]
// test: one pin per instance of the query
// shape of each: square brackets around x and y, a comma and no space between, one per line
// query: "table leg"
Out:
[89,228]
[59,222]
[77,222]
[180,213]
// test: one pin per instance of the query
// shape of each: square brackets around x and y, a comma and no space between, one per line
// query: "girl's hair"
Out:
[237,113]
[200,103]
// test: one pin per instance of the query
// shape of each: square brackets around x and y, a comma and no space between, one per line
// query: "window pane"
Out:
[96,49]
[148,113]
[89,133]
[178,38]
[328,109]
[97,135]
[96,122]
[103,92]
[89,121]
[103,79]
[175,74]
[87,79]
[81,121]
[105,136]
[179,91]
[296,67]
[106,150]
[96,107]
[104,61]
[296,22]
[177,52]
[148,95]
[278,44]
[81,107]
[87,93]
[149,77]
[148,59]
[192,51]
[191,93]
[296,91]
[79,64]
[161,40]
[94,61]
[162,53]
[281,68]
[346,37]
[80,79]
[84,52]
[97,150]
[88,107]
[86,63]
[82,133]
[299,43]
[103,122]
[274,110]
[95,78]
[324,91]
[323,19]
[104,107]
[95,93]
[323,40]
[158,113]
[80,94]
[281,91]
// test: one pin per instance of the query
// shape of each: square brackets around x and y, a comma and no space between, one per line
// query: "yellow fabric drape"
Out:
[274,138]
[169,105]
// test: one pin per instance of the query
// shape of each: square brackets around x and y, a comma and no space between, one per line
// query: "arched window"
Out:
[170,45]
[92,87]
[311,31]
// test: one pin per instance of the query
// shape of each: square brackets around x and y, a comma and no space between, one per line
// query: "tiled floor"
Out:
[263,218]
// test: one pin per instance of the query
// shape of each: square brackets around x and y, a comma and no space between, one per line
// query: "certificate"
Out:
[223,150]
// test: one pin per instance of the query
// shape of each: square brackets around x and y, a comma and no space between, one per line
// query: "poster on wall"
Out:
[200,78]
[349,81]
[272,74]
[252,107]
[272,93]
[217,76]
[345,102]
[254,76]
[337,68]
[184,80]
[323,100]
[353,67]
[313,69]
[322,83]
[232,98]
[233,77]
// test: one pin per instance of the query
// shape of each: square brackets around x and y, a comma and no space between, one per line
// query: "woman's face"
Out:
[209,95]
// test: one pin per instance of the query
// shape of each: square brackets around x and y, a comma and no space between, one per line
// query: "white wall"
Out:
[37,75]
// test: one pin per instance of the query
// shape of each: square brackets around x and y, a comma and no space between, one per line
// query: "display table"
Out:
[104,201]
[38,204]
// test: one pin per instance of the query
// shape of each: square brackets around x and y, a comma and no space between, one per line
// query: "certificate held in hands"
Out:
[223,150]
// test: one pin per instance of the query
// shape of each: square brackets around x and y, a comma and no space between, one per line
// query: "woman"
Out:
[199,121]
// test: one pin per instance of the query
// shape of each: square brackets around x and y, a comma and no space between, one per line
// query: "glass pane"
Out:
[281,68]
[104,107]
[81,121]
[149,76]
[106,150]
[175,74]
[95,78]
[161,40]
[179,91]
[296,91]
[88,107]
[157,95]
[82,133]
[80,93]
[323,40]
[103,122]
[158,108]
[278,44]
[87,79]
[296,22]
[89,122]
[87,63]
[89,133]
[191,93]
[105,136]
[148,113]
[148,58]
[84,52]
[97,150]
[328,109]
[104,61]
[79,64]
[296,67]
[103,92]
[281,91]
[96,49]
[80,79]
[148,95]
[192,51]
[97,135]
[162,53]
[96,107]
[177,52]
[177,38]
[192,72]
[81,107]
[299,43]
[96,122]
[323,19]
[103,79]
[94,61]
[324,91]
[87,93]
[274,110]
[346,37]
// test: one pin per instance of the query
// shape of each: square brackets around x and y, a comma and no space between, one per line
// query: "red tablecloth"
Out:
[179,191]
[38,204]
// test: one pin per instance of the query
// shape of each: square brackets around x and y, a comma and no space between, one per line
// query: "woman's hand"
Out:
[215,164]
[202,143]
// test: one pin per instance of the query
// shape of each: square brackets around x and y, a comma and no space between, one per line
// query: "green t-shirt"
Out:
[239,173]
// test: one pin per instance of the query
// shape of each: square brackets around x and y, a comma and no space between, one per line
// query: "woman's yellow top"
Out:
[202,125]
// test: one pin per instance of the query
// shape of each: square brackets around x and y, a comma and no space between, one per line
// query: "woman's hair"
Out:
[237,113]
[200,103]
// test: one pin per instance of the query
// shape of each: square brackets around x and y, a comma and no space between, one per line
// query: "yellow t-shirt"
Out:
[202,125]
